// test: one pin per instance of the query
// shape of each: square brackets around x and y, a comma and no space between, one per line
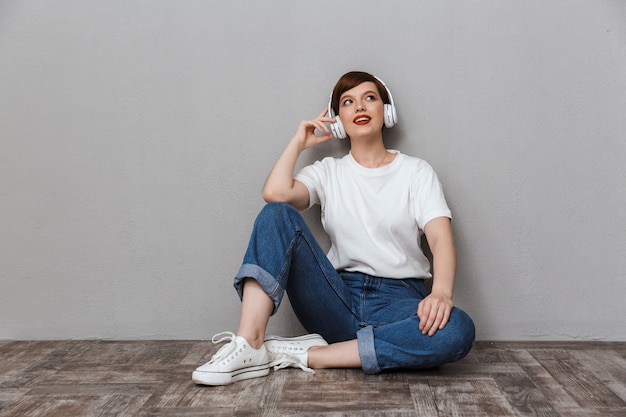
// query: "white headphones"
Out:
[389,112]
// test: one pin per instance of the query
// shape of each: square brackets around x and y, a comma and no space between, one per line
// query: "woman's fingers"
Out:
[433,315]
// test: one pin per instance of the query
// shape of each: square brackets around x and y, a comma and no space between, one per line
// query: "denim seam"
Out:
[285,268]
[328,280]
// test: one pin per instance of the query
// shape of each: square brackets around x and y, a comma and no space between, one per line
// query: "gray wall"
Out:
[135,137]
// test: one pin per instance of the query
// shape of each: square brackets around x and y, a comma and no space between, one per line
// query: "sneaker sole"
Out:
[225,378]
[304,338]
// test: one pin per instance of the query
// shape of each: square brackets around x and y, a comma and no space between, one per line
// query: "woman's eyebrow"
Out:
[344,96]
[366,93]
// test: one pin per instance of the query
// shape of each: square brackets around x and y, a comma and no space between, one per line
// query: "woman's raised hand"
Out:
[280,185]
[305,135]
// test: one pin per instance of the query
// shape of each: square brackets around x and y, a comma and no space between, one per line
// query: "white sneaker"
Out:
[234,361]
[292,351]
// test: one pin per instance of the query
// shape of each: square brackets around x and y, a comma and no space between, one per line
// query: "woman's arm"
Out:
[280,185]
[434,310]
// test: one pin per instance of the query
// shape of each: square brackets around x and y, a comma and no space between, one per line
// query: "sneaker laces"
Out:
[225,350]
[284,360]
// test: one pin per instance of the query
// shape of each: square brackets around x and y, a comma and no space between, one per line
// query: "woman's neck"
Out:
[371,155]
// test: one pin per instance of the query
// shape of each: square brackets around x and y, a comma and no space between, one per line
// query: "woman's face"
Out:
[361,110]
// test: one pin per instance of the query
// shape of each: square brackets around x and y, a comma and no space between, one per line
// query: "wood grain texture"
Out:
[153,378]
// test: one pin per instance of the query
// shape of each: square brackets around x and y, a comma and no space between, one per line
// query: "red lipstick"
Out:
[361,119]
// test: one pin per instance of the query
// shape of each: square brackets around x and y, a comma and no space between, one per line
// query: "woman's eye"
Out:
[370,98]
[347,102]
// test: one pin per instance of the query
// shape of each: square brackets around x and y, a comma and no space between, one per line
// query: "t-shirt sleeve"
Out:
[427,197]
[313,177]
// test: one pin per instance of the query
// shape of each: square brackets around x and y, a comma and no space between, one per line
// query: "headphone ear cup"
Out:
[337,129]
[391,117]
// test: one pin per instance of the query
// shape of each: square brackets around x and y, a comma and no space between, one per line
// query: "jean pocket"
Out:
[415,285]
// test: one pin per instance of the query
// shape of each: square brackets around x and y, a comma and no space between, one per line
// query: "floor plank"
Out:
[152,378]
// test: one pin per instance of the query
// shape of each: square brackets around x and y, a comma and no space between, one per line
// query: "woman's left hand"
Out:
[434,312]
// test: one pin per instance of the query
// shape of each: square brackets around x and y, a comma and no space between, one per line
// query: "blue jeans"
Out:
[381,313]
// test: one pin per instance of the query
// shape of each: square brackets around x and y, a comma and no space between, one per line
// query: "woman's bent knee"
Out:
[273,208]
[464,334]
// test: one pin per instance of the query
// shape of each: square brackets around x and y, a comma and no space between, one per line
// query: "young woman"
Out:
[364,302]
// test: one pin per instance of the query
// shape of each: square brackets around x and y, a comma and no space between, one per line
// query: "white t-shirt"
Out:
[375,216]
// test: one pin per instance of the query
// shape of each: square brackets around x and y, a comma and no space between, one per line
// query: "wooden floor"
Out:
[152,378]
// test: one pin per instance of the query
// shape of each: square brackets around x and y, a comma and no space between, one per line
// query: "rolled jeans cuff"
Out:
[269,284]
[367,351]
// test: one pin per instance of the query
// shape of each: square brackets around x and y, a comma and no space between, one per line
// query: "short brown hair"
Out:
[350,80]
